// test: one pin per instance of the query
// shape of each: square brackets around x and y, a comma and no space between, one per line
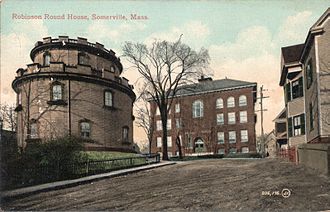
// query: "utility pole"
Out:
[261,97]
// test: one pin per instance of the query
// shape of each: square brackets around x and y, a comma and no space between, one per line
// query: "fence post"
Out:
[87,167]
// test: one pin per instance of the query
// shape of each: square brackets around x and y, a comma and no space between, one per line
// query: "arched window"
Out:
[198,109]
[108,98]
[85,129]
[242,100]
[125,134]
[219,103]
[231,102]
[57,91]
[46,59]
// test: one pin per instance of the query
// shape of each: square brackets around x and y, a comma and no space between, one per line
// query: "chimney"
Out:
[204,79]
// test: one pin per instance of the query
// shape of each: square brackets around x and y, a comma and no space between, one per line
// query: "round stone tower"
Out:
[73,87]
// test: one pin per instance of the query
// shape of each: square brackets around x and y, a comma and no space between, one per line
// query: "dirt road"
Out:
[196,185]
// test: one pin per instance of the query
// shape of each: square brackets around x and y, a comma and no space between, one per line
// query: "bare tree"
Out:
[144,116]
[165,66]
[8,116]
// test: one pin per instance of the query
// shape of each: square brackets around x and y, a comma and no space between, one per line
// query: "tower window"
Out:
[108,98]
[46,59]
[85,129]
[125,134]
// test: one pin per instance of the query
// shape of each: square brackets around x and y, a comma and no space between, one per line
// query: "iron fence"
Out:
[25,176]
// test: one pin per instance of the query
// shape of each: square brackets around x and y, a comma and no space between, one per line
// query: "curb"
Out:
[5,195]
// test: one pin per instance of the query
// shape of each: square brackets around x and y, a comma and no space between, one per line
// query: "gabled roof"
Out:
[281,115]
[291,57]
[314,30]
[212,86]
[292,53]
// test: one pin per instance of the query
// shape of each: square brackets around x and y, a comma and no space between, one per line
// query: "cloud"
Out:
[250,57]
[194,34]
[116,33]
[15,51]
[294,29]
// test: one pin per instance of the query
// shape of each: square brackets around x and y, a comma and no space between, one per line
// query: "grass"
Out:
[105,155]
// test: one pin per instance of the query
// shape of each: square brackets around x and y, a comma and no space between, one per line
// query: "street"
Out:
[255,184]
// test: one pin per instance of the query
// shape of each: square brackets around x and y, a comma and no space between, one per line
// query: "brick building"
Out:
[210,117]
[306,83]
[73,87]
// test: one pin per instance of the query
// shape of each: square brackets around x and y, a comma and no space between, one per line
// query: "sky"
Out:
[244,38]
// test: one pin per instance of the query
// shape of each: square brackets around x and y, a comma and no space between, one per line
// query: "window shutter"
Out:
[288,92]
[290,127]
[301,87]
[302,119]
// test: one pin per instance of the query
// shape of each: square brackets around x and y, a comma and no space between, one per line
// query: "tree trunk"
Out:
[178,143]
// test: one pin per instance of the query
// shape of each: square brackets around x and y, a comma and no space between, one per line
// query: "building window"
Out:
[243,116]
[159,142]
[169,124]
[232,136]
[232,151]
[220,119]
[309,73]
[85,129]
[244,136]
[311,117]
[221,151]
[189,139]
[56,91]
[221,137]
[178,123]
[219,103]
[159,126]
[169,141]
[83,58]
[177,108]
[231,118]
[34,130]
[198,109]
[242,100]
[297,88]
[112,69]
[125,134]
[108,98]
[46,59]
[231,102]
[296,125]
[245,149]
[157,111]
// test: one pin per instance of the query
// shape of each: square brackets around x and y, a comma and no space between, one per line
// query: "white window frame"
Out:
[221,137]
[34,130]
[220,119]
[178,123]
[219,103]
[159,126]
[232,137]
[244,136]
[231,118]
[198,109]
[243,117]
[84,129]
[169,141]
[231,102]
[108,98]
[177,108]
[57,92]
[159,142]
[242,100]
[169,124]
[245,149]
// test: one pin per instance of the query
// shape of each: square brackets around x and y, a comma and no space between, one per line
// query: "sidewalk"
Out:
[70,183]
